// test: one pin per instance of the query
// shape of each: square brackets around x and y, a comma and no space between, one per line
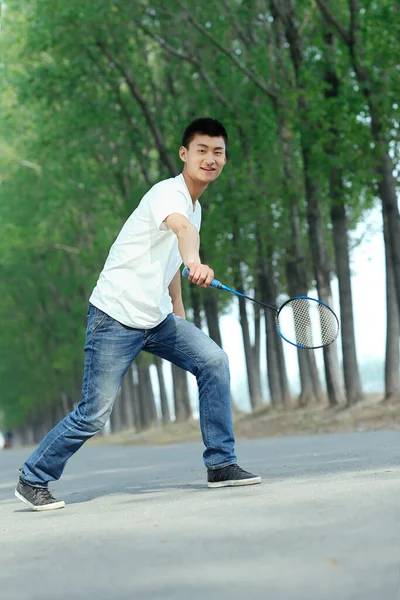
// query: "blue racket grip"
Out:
[215,283]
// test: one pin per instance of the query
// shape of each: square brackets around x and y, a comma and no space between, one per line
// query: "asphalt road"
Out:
[141,524]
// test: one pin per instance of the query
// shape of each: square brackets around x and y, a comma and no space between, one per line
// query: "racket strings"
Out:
[307,323]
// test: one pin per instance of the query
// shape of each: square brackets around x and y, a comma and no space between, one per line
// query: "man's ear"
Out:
[183,153]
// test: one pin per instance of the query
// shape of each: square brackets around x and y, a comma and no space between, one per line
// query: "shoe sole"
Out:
[234,482]
[53,506]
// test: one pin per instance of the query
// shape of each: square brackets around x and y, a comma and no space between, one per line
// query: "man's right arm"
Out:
[189,244]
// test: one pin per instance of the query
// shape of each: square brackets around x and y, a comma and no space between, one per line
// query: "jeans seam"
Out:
[85,392]
[69,428]
[48,448]
[206,394]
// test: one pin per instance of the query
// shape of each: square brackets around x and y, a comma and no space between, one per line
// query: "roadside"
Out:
[369,415]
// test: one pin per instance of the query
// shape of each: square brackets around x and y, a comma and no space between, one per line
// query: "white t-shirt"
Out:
[133,285]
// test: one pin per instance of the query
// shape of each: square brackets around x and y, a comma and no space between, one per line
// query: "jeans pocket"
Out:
[98,319]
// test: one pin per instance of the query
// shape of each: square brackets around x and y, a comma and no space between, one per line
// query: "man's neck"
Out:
[195,189]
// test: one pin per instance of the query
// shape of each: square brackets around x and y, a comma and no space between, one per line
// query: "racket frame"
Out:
[299,345]
[220,286]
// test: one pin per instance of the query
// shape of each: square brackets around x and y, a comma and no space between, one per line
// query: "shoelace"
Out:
[45,494]
[236,470]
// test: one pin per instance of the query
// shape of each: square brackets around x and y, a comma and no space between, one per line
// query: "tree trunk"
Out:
[274,383]
[148,413]
[257,335]
[136,405]
[252,367]
[55,415]
[314,217]
[196,304]
[295,268]
[387,192]
[116,415]
[318,391]
[210,302]
[307,390]
[256,349]
[322,276]
[165,413]
[65,406]
[183,410]
[252,364]
[340,231]
[27,435]
[127,399]
[150,395]
[296,275]
[392,358]
[251,358]
[384,164]
[350,363]
[284,381]
[385,168]
[44,422]
[267,291]
[273,294]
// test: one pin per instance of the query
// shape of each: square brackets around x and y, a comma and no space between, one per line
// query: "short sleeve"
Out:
[165,203]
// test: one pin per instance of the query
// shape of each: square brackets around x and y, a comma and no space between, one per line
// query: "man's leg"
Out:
[110,349]
[183,344]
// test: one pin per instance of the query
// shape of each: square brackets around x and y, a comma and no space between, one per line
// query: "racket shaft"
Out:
[220,286]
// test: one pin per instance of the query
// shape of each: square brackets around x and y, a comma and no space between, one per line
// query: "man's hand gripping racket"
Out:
[301,321]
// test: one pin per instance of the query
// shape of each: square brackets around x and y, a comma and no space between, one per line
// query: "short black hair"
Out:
[204,126]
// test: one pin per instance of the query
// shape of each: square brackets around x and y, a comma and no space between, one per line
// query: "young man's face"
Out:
[205,158]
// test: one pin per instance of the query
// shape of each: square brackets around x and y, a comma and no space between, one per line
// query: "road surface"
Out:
[141,524]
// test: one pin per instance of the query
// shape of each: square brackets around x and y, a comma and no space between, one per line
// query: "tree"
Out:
[376,76]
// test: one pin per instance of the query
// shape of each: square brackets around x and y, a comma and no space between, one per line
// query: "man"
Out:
[136,305]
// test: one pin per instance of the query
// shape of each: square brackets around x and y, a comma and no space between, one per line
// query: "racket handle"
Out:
[215,283]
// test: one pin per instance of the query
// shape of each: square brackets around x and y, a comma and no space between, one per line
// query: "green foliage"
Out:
[94,99]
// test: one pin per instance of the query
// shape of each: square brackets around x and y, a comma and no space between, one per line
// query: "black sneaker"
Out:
[229,476]
[37,498]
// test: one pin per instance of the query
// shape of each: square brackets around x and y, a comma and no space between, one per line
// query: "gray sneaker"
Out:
[37,498]
[231,475]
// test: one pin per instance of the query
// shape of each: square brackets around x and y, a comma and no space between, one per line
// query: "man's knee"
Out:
[218,359]
[90,424]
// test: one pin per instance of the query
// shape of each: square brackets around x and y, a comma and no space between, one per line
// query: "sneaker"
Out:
[230,476]
[37,498]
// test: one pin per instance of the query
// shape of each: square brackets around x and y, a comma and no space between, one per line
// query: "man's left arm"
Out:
[175,291]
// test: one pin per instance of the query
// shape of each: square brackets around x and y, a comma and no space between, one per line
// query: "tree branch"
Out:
[185,56]
[307,17]
[279,12]
[260,84]
[354,27]
[150,120]
[133,129]
[330,17]
[63,247]
[241,33]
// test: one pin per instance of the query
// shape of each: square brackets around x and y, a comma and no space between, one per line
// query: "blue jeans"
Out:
[110,349]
